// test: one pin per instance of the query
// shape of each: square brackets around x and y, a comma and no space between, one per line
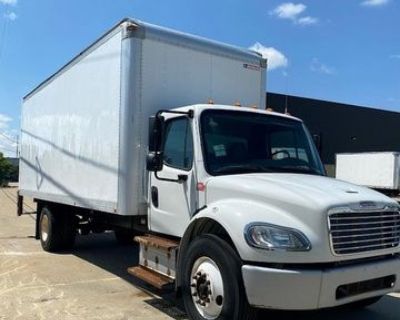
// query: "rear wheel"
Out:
[49,231]
[212,285]
[56,230]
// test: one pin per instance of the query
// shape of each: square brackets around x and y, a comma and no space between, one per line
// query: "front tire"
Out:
[212,285]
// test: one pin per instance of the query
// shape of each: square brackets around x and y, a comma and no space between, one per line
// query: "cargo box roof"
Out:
[146,30]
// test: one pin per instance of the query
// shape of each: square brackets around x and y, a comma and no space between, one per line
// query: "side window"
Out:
[178,147]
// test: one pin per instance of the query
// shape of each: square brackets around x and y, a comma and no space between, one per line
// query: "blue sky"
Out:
[339,50]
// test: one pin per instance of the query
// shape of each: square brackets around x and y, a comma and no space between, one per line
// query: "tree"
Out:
[6,170]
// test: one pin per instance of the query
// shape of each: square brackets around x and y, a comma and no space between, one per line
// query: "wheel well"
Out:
[209,226]
[197,228]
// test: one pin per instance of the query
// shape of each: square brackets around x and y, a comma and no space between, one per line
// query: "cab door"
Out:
[172,190]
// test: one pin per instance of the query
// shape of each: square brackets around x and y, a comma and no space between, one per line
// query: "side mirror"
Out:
[156,124]
[154,161]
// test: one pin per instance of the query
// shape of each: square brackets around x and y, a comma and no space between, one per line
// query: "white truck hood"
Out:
[298,201]
[318,193]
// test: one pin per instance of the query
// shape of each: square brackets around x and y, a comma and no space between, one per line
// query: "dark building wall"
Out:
[343,128]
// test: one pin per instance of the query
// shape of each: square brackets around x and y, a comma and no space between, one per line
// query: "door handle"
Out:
[154,196]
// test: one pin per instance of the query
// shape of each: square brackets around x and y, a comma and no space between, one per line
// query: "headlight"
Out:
[271,237]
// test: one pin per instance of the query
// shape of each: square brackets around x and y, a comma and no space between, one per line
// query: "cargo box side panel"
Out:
[70,132]
[181,76]
[170,72]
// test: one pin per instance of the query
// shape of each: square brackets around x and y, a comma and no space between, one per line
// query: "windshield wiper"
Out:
[241,168]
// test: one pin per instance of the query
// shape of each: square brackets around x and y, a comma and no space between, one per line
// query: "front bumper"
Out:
[314,289]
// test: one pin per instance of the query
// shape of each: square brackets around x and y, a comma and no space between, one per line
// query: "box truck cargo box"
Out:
[85,129]
[378,170]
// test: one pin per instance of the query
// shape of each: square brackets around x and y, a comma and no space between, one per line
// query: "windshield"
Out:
[246,142]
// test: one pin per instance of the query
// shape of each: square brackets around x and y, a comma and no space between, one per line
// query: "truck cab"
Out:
[246,195]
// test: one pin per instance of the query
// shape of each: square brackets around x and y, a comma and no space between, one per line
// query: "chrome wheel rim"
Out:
[207,288]
[44,227]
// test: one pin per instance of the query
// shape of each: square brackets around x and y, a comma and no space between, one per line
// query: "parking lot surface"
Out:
[91,281]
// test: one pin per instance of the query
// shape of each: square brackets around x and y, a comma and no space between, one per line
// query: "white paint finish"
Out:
[70,130]
[291,200]
[175,76]
[282,289]
[332,278]
[177,201]
[311,289]
[92,116]
[379,170]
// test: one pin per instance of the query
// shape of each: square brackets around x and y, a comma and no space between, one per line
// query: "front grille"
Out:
[356,232]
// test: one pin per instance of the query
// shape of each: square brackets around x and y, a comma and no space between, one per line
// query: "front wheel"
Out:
[212,285]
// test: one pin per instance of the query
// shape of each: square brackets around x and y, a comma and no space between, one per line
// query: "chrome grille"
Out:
[357,232]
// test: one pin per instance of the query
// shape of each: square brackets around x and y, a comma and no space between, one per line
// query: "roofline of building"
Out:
[336,102]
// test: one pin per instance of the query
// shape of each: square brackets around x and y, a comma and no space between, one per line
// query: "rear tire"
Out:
[212,285]
[50,231]
[56,229]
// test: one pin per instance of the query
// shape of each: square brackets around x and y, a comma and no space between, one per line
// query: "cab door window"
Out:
[178,147]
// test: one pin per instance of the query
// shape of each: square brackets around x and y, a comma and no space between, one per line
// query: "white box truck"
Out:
[377,170]
[163,135]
